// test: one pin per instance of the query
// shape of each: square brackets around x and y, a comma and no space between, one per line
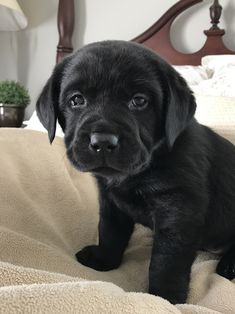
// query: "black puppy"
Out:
[128,117]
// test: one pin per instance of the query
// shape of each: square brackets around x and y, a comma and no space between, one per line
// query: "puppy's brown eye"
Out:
[138,102]
[78,101]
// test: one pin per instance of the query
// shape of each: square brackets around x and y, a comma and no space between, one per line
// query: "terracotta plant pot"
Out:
[10,116]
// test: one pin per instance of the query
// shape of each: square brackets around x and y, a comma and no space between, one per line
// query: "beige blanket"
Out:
[48,211]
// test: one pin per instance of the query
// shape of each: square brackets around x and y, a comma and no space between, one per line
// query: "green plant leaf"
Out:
[13,94]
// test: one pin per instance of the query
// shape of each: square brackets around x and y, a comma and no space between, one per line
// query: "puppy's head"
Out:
[115,101]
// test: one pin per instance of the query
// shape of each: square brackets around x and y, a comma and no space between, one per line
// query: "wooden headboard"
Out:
[157,37]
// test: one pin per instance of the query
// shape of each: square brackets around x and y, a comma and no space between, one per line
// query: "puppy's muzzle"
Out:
[103,142]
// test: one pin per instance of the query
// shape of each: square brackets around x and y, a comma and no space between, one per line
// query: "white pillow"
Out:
[217,113]
[34,124]
[215,63]
[221,70]
[192,74]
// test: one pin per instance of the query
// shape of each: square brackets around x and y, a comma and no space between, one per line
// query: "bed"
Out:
[157,33]
[47,215]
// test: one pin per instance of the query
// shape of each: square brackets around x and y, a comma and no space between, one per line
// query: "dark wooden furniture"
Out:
[65,23]
[157,36]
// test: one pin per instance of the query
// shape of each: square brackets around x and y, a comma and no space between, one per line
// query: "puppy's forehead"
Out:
[112,60]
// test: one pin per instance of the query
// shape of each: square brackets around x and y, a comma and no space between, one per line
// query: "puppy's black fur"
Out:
[128,117]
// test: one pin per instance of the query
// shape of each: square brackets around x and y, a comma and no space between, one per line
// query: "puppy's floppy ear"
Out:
[181,107]
[47,105]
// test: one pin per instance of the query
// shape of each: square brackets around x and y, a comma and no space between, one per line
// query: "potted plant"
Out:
[13,100]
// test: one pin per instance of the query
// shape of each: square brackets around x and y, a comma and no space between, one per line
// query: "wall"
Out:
[29,55]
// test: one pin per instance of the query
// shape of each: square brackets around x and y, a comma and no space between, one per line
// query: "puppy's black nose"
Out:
[103,142]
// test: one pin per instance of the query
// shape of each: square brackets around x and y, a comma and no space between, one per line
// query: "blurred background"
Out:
[28,55]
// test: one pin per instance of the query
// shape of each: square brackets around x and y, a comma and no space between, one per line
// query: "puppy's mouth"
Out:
[121,165]
[128,158]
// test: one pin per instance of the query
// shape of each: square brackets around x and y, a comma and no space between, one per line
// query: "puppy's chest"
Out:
[137,206]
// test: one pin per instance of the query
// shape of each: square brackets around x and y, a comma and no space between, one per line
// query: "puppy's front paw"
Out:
[174,297]
[95,257]
[226,266]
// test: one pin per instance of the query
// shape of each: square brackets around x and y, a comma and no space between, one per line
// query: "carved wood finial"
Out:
[215,14]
